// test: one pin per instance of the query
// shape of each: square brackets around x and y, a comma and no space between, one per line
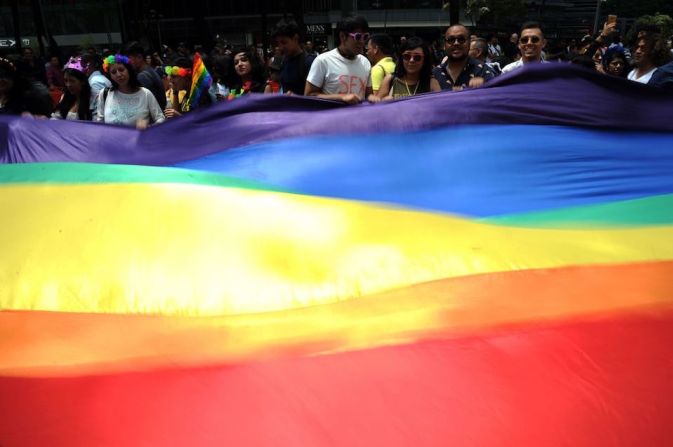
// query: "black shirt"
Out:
[293,72]
[33,72]
[473,69]
[149,79]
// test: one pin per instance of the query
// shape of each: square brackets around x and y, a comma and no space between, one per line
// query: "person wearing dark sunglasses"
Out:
[458,70]
[412,74]
[343,73]
[531,44]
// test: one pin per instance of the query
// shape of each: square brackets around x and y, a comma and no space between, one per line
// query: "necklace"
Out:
[409,91]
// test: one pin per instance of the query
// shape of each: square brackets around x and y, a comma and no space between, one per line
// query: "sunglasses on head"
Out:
[531,39]
[458,39]
[359,36]
[409,57]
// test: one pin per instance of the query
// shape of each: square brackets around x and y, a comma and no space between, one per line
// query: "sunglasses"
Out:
[529,39]
[408,57]
[359,36]
[458,39]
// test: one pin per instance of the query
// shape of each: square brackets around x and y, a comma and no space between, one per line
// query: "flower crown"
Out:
[75,63]
[178,71]
[116,59]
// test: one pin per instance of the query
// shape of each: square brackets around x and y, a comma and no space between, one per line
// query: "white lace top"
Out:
[128,108]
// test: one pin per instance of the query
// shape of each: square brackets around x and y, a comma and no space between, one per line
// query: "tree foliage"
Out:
[475,9]
[637,8]
[661,21]
[499,13]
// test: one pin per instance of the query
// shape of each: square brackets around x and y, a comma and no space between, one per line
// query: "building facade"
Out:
[108,23]
[68,23]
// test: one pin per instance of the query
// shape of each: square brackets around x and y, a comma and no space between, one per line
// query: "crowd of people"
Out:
[137,87]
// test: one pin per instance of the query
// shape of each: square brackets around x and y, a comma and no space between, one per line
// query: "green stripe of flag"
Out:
[92,173]
[654,210]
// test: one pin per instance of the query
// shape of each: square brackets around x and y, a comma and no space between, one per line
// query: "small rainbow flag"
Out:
[201,80]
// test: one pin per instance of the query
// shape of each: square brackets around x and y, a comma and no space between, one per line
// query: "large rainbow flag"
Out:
[481,268]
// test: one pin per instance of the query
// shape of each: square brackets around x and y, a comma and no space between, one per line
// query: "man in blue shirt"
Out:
[147,76]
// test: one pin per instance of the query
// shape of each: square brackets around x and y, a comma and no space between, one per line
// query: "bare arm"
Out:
[384,90]
[312,90]
[434,85]
[173,107]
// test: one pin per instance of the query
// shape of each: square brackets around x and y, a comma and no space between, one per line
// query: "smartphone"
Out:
[612,18]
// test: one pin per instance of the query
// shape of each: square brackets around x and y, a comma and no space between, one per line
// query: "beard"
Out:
[461,58]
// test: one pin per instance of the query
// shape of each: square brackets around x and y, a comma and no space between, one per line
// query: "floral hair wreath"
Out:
[178,71]
[116,59]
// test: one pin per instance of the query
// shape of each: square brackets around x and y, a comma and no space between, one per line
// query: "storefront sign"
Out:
[318,29]
[9,43]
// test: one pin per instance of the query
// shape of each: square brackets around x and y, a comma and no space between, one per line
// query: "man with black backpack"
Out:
[147,75]
[296,62]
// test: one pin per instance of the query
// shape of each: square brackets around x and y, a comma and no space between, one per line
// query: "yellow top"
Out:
[182,94]
[379,71]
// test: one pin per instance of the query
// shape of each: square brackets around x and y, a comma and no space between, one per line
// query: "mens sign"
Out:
[319,28]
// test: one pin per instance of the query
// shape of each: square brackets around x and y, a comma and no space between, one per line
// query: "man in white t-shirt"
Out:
[343,73]
[531,44]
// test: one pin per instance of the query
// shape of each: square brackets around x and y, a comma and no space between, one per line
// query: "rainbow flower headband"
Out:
[116,59]
[178,71]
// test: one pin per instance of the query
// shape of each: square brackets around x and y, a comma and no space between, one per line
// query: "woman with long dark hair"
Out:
[126,102]
[412,74]
[250,73]
[75,102]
